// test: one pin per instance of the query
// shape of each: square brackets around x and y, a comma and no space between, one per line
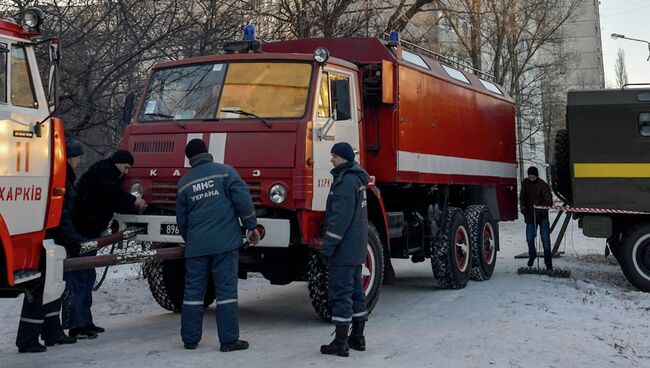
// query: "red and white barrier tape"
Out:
[591,210]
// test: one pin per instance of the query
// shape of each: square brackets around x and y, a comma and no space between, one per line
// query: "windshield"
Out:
[266,89]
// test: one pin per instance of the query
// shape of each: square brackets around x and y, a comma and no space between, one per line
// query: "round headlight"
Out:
[321,55]
[33,17]
[278,193]
[137,189]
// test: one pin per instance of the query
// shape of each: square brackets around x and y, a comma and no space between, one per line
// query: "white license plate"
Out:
[169,229]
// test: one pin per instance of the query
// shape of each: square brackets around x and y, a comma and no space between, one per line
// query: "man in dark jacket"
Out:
[344,250]
[536,192]
[211,200]
[99,195]
[38,319]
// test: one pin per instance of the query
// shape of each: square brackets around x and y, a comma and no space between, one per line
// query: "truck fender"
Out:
[377,214]
[6,254]
[54,284]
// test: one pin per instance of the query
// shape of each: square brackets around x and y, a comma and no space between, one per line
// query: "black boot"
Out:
[356,340]
[234,345]
[82,333]
[94,328]
[531,261]
[61,340]
[339,346]
[32,348]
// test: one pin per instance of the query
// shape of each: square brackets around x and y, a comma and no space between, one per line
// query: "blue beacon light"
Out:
[249,33]
[394,37]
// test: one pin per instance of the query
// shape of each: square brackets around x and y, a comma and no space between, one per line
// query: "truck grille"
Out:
[149,147]
[163,192]
[256,192]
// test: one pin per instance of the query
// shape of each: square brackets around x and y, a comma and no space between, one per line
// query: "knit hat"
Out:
[533,171]
[343,150]
[195,147]
[73,148]
[122,157]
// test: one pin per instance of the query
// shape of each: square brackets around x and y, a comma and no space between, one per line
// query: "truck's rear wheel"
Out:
[372,274]
[635,256]
[451,254]
[167,283]
[484,240]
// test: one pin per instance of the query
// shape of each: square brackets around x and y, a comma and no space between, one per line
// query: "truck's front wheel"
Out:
[372,274]
[167,283]
[635,256]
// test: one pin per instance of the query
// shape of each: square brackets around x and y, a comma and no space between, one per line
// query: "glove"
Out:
[253,236]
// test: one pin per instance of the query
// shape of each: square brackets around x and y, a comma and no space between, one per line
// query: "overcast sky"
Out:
[632,19]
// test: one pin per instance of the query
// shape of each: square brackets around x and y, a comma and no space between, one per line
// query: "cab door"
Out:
[24,156]
[336,119]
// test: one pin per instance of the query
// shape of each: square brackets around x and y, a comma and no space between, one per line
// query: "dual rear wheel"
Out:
[466,248]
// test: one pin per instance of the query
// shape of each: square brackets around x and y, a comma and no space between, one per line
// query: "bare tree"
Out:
[619,67]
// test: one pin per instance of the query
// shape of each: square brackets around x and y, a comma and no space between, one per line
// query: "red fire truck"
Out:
[437,140]
[32,160]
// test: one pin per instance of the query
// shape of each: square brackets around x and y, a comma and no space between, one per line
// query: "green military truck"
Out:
[601,170]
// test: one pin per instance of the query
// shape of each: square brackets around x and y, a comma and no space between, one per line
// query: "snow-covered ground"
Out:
[593,319]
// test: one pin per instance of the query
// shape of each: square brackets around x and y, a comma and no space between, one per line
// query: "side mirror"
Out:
[128,108]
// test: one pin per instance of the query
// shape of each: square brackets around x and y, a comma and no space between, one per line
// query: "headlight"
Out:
[278,193]
[33,17]
[321,55]
[137,189]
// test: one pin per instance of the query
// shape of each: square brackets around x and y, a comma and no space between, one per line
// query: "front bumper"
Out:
[277,231]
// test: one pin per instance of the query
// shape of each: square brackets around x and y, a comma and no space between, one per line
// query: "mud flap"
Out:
[54,284]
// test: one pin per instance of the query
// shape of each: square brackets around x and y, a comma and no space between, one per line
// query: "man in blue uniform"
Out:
[211,200]
[344,250]
[38,319]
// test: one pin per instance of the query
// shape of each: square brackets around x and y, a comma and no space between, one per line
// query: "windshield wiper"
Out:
[246,113]
[158,115]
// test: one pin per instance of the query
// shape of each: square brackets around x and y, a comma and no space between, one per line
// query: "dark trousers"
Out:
[37,320]
[545,233]
[78,298]
[346,295]
[223,268]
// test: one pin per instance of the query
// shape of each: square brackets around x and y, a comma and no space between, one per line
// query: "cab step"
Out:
[25,274]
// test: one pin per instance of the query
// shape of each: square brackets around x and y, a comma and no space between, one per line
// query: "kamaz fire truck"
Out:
[32,160]
[438,141]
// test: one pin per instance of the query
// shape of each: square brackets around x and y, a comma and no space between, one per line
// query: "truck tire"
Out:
[635,256]
[451,254]
[167,283]
[484,240]
[561,167]
[372,276]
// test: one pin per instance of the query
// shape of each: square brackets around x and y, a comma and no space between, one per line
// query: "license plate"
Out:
[169,229]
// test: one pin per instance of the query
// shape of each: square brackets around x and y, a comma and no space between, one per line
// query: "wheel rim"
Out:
[368,271]
[641,256]
[461,250]
[489,243]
